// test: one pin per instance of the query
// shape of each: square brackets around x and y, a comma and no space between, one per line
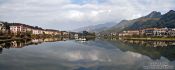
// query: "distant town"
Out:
[150,32]
[153,26]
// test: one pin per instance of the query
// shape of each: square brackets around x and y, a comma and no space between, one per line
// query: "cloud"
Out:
[71,14]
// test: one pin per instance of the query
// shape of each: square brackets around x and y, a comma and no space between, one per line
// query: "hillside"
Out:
[154,19]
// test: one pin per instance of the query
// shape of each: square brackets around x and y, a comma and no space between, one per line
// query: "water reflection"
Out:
[151,43]
[97,54]
[26,42]
[153,49]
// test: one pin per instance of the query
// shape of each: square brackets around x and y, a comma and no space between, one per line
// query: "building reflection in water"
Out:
[153,49]
[150,43]
[23,43]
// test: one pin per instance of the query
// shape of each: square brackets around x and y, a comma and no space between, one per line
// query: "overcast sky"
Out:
[72,14]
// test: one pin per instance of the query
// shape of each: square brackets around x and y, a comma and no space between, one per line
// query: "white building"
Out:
[76,36]
[160,31]
[37,31]
[18,28]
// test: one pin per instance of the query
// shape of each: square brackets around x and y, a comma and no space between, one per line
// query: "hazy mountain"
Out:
[154,19]
[118,27]
[96,28]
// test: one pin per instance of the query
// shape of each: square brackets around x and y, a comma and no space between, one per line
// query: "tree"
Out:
[85,33]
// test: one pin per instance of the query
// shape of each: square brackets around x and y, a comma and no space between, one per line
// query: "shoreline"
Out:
[150,39]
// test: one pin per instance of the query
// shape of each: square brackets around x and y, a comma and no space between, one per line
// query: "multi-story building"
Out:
[18,28]
[149,32]
[171,32]
[155,32]
[37,31]
[160,31]
[58,33]
[64,33]
[29,28]
[22,28]
[76,36]
[48,32]
[130,33]
[52,32]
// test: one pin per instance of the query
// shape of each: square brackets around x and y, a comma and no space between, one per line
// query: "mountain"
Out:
[96,28]
[154,19]
[168,19]
[118,27]
[165,20]
[153,14]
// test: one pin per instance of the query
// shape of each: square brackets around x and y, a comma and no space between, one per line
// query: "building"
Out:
[52,32]
[160,31]
[171,32]
[58,33]
[29,28]
[147,32]
[130,33]
[37,31]
[76,36]
[113,34]
[22,28]
[64,33]
[155,32]
[18,28]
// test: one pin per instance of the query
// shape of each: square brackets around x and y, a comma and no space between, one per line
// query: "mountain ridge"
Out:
[154,19]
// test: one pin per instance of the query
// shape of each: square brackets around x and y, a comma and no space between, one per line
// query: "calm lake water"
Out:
[98,54]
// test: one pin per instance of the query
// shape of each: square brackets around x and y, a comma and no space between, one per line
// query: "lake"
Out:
[96,54]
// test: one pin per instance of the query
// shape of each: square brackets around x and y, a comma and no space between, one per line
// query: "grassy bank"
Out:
[151,39]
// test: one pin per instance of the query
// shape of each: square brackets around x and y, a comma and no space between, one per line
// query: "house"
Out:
[147,32]
[37,31]
[171,32]
[18,28]
[113,34]
[133,32]
[29,28]
[160,31]
[52,32]
[58,33]
[76,36]
[22,28]
[121,34]
[155,32]
[130,33]
[64,33]
[48,32]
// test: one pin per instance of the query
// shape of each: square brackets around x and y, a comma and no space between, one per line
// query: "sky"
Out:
[73,14]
